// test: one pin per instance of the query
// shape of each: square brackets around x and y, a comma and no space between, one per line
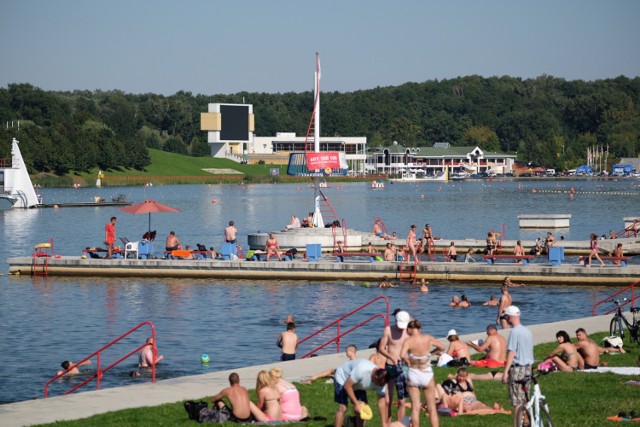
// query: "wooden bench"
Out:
[371,255]
[623,259]
[525,258]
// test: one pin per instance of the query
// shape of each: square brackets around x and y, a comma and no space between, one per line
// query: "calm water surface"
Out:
[45,321]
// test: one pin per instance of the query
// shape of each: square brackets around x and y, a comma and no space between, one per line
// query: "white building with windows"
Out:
[434,160]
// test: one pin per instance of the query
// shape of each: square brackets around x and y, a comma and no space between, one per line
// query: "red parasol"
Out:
[149,206]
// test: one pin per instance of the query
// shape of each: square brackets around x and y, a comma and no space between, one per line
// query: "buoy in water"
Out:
[205,358]
[214,201]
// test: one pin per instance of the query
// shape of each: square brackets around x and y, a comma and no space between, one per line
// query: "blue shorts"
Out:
[340,396]
[379,234]
[400,379]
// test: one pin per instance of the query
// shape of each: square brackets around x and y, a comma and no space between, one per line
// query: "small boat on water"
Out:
[377,184]
[16,185]
[323,184]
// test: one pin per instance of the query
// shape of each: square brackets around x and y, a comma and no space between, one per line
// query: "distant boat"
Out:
[323,184]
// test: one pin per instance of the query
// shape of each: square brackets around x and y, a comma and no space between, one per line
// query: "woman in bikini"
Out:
[565,356]
[416,352]
[491,242]
[458,394]
[411,241]
[593,245]
[268,396]
[292,410]
[272,248]
[457,349]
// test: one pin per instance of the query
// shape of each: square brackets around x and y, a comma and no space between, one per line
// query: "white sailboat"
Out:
[17,189]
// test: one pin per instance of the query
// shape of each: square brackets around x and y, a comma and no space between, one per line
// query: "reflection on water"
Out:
[44,321]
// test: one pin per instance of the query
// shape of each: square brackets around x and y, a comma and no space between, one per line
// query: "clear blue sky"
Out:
[227,46]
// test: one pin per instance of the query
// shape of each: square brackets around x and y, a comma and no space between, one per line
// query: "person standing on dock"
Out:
[593,246]
[230,233]
[518,250]
[411,241]
[110,235]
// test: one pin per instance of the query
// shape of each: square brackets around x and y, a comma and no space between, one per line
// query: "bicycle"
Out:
[619,321]
[535,413]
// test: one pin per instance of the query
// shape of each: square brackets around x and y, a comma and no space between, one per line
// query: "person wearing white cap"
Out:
[519,357]
[390,346]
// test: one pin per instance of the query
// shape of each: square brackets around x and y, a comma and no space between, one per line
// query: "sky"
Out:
[228,46]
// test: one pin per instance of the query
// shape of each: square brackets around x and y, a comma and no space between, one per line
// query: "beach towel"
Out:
[620,370]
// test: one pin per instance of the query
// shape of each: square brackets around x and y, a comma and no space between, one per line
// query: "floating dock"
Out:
[327,269]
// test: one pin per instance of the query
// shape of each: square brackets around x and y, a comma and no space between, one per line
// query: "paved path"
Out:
[86,404]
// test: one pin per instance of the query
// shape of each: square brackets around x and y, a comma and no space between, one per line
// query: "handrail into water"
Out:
[339,334]
[98,353]
[607,299]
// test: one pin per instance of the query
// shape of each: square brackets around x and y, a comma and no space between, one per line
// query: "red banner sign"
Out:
[323,160]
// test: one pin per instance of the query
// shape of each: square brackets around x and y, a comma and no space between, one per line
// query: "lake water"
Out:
[44,321]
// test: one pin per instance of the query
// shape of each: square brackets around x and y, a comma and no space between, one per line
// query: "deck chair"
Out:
[124,240]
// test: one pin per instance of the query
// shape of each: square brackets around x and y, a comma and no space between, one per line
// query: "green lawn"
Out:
[575,399]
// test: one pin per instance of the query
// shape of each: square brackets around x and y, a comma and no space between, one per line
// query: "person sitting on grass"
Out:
[458,395]
[565,356]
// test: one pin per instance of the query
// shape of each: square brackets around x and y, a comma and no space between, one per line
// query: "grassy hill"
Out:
[170,168]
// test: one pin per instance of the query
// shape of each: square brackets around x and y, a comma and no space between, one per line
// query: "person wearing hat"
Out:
[351,382]
[457,349]
[519,357]
[390,346]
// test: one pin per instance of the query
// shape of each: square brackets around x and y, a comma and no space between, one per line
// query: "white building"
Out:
[434,160]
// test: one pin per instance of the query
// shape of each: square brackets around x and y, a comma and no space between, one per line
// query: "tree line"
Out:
[549,121]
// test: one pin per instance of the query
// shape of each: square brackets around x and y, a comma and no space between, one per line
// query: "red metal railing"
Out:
[631,301]
[337,323]
[98,353]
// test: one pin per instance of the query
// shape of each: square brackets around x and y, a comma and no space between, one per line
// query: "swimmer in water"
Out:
[74,371]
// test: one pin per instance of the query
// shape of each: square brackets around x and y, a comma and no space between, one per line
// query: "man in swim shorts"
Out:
[390,346]
[288,342]
[590,351]
[352,380]
[495,346]
[238,397]
[230,233]
[173,243]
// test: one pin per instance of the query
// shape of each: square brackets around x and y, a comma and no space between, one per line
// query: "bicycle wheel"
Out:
[635,333]
[545,416]
[615,327]
[522,417]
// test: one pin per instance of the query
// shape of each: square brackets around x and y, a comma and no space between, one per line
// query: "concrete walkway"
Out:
[86,404]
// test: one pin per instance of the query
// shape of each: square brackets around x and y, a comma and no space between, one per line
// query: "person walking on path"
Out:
[519,359]
[110,235]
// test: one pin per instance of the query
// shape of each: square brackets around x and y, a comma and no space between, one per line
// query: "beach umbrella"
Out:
[149,207]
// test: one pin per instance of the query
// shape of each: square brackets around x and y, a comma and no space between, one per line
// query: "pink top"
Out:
[290,404]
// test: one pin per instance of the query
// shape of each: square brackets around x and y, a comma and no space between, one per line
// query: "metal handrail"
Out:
[340,334]
[607,299]
[98,353]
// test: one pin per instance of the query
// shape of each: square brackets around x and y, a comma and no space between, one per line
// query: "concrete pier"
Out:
[327,269]
[88,403]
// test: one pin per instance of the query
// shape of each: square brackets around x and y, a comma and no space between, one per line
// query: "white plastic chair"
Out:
[131,247]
